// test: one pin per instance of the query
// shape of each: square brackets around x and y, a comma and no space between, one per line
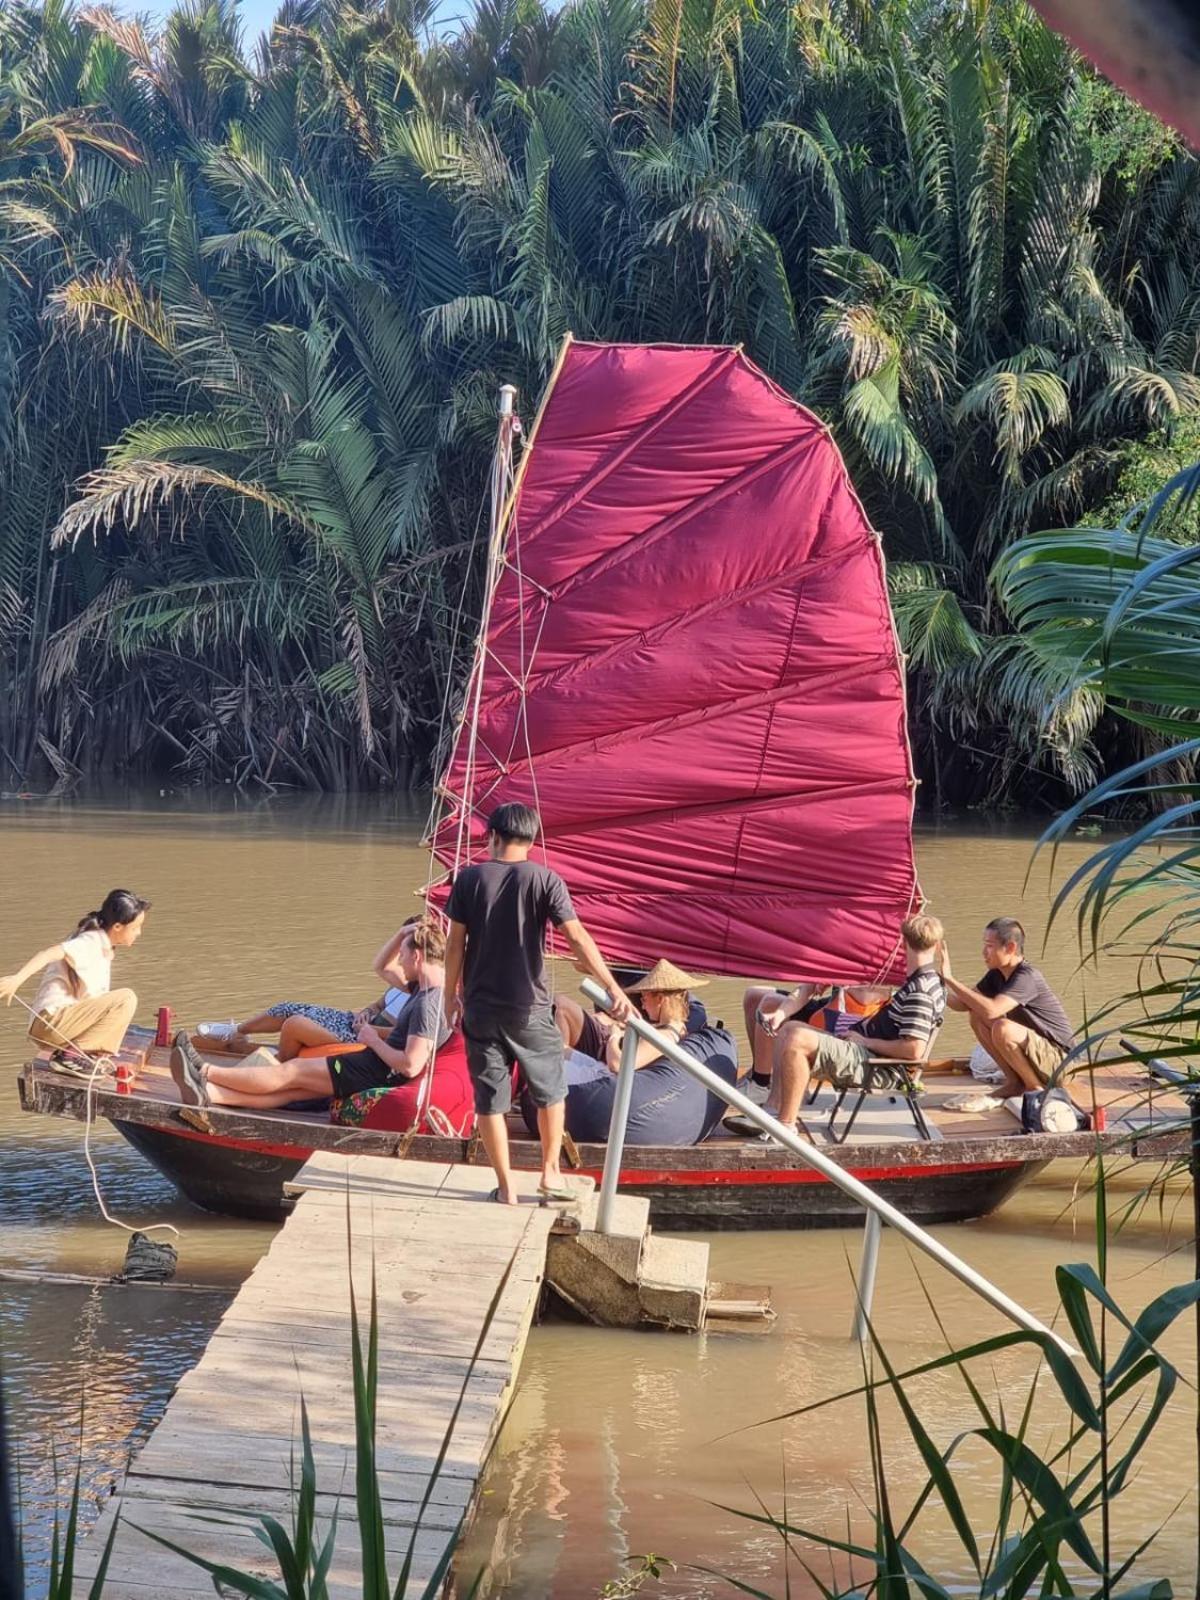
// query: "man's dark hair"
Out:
[515,824]
[1008,930]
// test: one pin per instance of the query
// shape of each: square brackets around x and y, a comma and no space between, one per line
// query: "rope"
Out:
[98,1070]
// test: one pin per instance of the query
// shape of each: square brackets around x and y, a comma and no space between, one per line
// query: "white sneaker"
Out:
[758,1092]
[218,1032]
[972,1102]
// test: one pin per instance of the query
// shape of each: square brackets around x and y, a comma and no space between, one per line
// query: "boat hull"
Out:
[229,1177]
[246,1179]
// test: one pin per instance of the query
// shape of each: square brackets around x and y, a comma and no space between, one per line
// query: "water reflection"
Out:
[87,1373]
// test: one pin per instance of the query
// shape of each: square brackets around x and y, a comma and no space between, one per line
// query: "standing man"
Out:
[498,912]
[1015,1014]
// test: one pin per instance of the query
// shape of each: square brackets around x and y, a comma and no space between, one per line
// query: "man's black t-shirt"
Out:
[1038,1007]
[505,906]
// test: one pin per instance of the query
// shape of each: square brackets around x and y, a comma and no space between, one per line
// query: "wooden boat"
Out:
[237,1162]
[686,663]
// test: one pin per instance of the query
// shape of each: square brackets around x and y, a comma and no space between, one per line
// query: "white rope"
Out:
[98,1070]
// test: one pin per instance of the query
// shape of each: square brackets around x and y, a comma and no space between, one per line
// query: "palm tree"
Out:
[273,344]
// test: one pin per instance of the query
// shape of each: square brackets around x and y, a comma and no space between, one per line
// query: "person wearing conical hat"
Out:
[665,995]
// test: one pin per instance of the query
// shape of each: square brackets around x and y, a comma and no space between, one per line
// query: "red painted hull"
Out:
[246,1178]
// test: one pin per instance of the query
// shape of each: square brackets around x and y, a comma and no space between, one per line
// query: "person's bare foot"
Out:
[505,1197]
[553,1188]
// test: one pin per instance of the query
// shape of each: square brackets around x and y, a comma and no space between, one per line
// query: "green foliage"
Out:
[253,318]
[1117,612]
[1146,467]
[1053,1526]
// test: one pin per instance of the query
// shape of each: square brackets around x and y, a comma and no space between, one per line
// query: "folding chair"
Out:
[899,1080]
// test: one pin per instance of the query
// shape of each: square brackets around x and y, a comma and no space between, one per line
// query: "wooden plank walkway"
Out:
[228,1446]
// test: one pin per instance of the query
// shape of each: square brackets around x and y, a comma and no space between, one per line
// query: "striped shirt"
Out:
[915,1011]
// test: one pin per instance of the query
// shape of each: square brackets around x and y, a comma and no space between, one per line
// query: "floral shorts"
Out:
[339,1023]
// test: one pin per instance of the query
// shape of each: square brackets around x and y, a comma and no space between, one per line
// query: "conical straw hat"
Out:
[663,978]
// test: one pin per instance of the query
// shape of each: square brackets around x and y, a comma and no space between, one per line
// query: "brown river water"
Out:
[618,1443]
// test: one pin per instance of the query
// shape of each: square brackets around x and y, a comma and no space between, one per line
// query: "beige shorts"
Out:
[1042,1054]
[844,1064]
[840,1061]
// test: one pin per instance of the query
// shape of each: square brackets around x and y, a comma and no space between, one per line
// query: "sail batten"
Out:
[691,672]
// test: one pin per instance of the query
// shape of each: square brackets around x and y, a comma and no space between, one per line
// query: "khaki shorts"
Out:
[841,1062]
[1042,1054]
[844,1064]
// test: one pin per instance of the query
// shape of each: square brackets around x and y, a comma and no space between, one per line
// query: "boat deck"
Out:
[1143,1118]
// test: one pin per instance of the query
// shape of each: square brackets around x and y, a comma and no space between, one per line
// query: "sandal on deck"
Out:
[556,1194]
[743,1127]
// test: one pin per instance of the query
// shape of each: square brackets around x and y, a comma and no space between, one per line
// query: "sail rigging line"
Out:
[507,513]
[448,689]
[501,499]
[638,637]
[499,483]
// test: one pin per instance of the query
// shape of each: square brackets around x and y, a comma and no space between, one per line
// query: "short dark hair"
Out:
[1008,930]
[514,823]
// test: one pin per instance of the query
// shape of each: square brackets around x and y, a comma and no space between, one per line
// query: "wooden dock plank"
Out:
[440,1258]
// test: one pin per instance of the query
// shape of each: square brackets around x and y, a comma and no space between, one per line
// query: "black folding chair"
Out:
[899,1080]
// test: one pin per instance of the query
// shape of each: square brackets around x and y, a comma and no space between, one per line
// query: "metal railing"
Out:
[878,1210]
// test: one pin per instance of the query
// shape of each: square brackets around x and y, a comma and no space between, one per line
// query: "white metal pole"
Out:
[864,1288]
[845,1181]
[616,1130]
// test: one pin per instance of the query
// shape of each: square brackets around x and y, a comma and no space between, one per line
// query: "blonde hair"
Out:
[922,933]
[676,1003]
[428,938]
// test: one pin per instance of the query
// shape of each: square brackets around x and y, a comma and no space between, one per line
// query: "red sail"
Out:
[691,672]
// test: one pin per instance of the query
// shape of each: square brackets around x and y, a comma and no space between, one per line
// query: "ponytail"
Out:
[120,907]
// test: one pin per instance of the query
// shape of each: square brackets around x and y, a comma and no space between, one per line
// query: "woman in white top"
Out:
[75,1004]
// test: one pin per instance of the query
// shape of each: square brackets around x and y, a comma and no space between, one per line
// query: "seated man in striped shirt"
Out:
[901,1031]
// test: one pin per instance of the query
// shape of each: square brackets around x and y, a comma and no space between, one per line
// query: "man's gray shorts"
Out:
[495,1040]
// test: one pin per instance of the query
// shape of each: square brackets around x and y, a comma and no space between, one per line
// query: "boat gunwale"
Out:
[42,1092]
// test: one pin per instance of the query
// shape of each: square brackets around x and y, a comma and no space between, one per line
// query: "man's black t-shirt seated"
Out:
[1037,1007]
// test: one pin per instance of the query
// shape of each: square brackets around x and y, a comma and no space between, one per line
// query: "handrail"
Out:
[845,1181]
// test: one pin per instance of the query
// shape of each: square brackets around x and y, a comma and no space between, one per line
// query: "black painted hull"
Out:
[234,1180]
[245,1179]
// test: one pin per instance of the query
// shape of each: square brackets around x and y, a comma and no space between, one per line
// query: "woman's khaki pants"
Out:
[98,1024]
